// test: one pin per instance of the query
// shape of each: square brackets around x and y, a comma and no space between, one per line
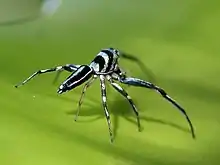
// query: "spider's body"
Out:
[105,66]
[104,63]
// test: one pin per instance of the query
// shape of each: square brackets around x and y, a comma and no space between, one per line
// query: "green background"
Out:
[177,40]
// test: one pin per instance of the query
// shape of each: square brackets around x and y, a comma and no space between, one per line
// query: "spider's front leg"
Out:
[67,67]
[104,102]
[141,83]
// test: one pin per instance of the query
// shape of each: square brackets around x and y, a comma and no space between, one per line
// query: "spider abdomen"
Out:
[82,74]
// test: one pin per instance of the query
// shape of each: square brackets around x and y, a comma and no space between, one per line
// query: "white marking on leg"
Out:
[118,86]
[59,68]
[106,112]
[104,99]
[43,71]
[102,83]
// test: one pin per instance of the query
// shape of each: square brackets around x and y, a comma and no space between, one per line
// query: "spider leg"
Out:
[142,66]
[104,102]
[141,83]
[67,67]
[125,94]
[83,94]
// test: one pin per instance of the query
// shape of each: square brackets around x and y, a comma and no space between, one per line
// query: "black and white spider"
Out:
[105,66]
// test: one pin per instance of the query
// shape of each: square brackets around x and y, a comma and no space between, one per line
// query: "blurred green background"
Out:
[177,40]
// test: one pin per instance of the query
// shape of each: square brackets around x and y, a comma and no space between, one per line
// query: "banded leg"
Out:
[67,67]
[125,94]
[142,83]
[83,94]
[104,102]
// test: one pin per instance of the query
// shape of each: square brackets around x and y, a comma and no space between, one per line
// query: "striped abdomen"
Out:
[82,74]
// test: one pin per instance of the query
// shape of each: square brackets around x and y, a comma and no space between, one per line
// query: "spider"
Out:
[105,66]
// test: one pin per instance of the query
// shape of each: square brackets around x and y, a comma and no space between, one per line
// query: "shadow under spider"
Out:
[120,108]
